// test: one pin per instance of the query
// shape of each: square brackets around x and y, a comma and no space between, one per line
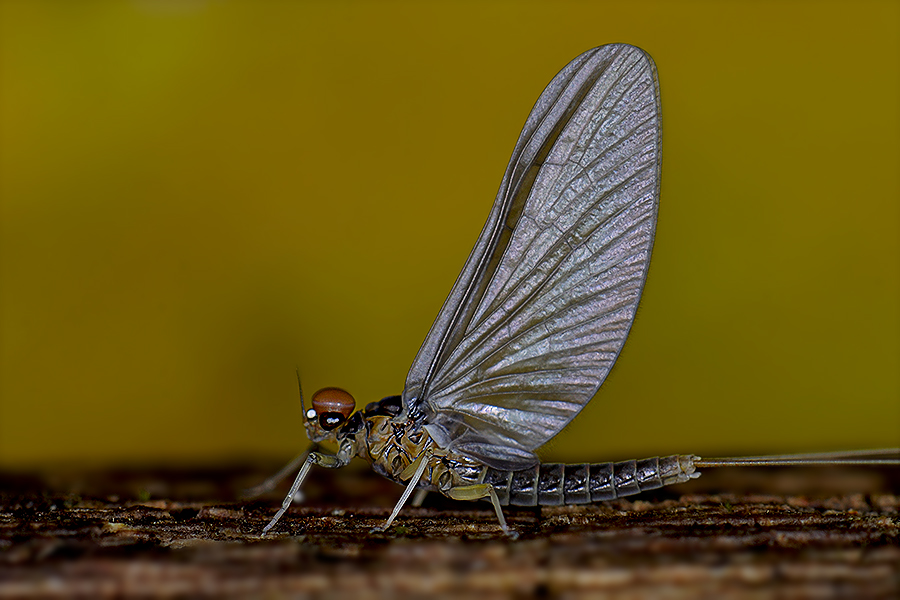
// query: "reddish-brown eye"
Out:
[333,400]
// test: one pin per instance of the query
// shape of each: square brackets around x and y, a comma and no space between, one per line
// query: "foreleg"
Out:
[315,458]
[269,484]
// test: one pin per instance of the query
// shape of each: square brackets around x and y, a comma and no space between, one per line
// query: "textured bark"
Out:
[181,533]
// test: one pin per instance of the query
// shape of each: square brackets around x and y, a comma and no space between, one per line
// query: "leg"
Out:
[269,484]
[419,498]
[314,458]
[419,464]
[478,491]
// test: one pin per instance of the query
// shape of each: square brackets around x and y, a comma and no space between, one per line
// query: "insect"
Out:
[536,318]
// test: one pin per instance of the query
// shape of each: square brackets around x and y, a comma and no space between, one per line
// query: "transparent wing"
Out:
[545,300]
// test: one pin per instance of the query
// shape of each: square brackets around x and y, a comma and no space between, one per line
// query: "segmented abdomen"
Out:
[554,484]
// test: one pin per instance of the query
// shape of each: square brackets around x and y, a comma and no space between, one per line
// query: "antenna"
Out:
[300,385]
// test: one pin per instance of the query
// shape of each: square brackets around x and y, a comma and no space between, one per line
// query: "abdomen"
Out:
[554,484]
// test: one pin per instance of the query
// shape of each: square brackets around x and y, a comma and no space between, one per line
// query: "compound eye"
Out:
[331,420]
[334,401]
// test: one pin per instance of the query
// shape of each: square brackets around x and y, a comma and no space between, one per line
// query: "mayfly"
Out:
[536,318]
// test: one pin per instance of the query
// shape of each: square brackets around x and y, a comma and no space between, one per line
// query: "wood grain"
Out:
[184,533]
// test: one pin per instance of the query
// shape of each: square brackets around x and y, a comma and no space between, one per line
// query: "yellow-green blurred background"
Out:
[199,196]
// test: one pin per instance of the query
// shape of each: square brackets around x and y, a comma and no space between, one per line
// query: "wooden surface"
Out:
[184,533]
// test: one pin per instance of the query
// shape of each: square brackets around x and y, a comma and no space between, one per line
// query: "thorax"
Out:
[392,444]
